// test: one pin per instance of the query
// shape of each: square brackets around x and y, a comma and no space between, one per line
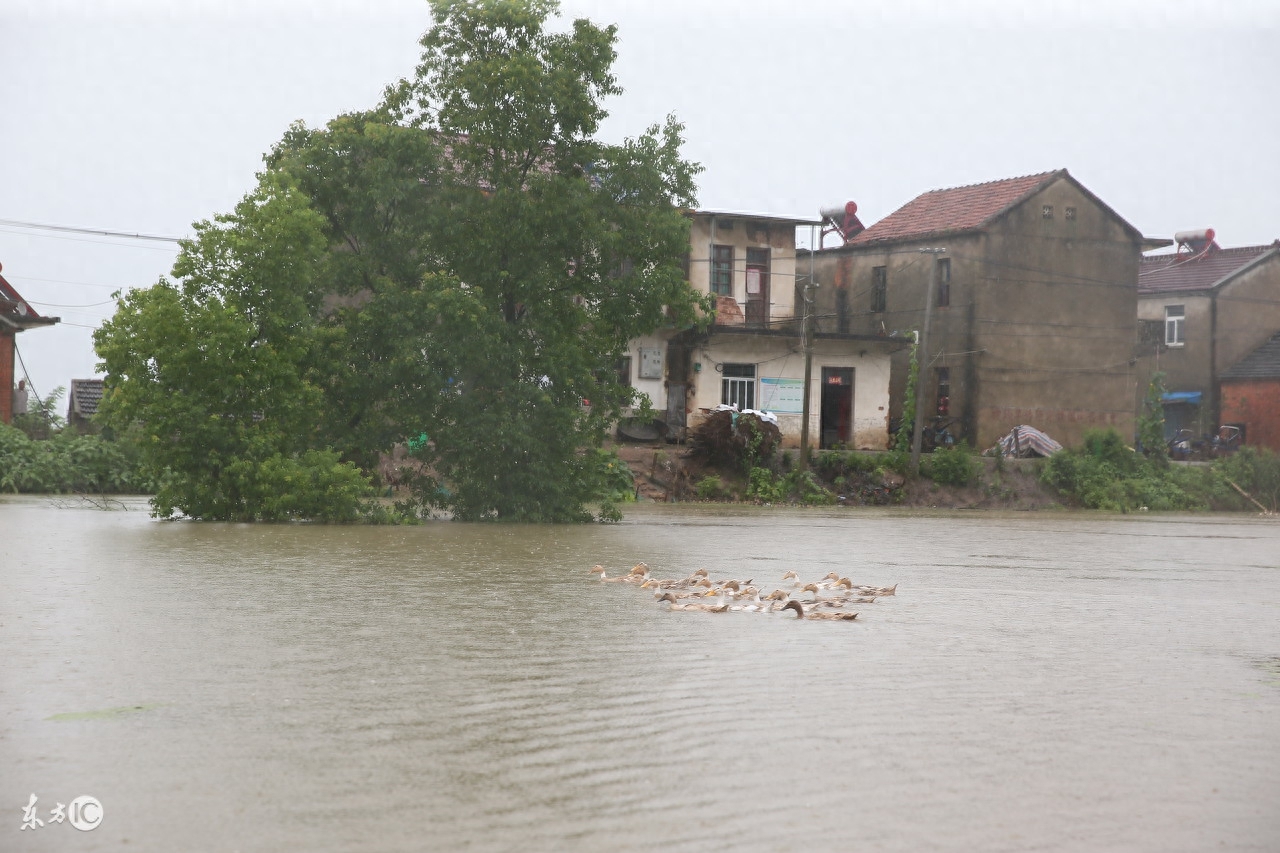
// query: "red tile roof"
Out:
[947,211]
[1168,273]
[16,312]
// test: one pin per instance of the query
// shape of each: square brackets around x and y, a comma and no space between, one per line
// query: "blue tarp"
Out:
[1189,397]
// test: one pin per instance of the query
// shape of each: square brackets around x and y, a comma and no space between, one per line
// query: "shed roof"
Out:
[84,397]
[1203,271]
[1262,363]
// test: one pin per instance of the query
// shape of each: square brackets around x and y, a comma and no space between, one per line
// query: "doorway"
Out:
[836,413]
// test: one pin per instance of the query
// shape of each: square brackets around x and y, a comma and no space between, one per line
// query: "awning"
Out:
[1190,398]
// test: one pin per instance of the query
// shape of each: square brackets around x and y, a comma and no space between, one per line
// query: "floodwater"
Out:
[1043,682]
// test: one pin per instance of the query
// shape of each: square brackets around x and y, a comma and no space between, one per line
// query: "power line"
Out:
[98,232]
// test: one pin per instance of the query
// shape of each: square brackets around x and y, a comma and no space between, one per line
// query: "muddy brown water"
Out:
[1048,682]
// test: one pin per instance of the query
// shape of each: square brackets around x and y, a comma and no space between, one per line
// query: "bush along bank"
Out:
[68,462]
[728,464]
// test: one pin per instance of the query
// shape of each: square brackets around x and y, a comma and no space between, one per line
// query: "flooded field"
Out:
[1046,682]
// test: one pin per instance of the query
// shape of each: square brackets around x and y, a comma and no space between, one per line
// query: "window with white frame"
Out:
[1174,317]
[738,388]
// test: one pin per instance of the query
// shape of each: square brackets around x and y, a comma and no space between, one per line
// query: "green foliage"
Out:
[902,441]
[41,420]
[804,487]
[1104,474]
[67,463]
[765,487]
[465,260]
[953,466]
[1257,471]
[1151,422]
[711,488]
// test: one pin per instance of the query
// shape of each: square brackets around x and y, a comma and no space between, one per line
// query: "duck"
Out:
[793,576]
[599,569]
[755,606]
[660,590]
[676,604]
[834,617]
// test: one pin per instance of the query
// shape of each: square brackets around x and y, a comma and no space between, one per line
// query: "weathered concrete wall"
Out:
[741,233]
[780,358]
[1040,326]
[1256,404]
[1187,367]
[1248,313]
[1054,318]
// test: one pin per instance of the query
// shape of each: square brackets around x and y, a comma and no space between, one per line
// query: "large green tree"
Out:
[466,260]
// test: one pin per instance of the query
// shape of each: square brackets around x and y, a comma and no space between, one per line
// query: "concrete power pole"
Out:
[806,343]
[922,358]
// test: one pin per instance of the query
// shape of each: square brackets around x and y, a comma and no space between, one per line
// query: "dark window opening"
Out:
[842,311]
[943,377]
[879,289]
[944,282]
[722,270]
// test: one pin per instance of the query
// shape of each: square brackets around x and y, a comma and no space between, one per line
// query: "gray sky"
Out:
[143,116]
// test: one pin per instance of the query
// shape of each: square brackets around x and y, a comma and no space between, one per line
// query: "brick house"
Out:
[752,355]
[1250,395]
[1032,320]
[16,315]
[1207,308]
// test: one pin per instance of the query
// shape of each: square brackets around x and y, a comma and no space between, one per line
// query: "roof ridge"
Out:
[1042,175]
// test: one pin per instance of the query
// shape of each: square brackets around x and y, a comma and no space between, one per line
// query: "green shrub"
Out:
[953,466]
[763,486]
[68,462]
[710,488]
[1257,471]
[1105,474]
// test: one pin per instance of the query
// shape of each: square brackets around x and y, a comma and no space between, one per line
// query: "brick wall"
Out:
[6,377]
[1255,403]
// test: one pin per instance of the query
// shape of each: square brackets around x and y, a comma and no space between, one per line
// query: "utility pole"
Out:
[806,343]
[922,358]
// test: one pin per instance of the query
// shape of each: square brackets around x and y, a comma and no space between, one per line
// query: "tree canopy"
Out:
[465,261]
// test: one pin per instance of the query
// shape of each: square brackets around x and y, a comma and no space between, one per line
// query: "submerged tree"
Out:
[465,261]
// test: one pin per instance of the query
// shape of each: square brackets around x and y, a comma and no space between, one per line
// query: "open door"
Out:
[837,407]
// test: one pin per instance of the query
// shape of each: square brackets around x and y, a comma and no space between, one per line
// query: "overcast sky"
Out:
[143,116]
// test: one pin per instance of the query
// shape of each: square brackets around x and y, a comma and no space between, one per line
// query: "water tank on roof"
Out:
[1204,236]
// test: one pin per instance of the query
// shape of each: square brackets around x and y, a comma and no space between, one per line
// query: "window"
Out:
[842,311]
[879,288]
[944,282]
[1046,211]
[1071,213]
[722,270]
[624,371]
[943,377]
[1174,316]
[738,388]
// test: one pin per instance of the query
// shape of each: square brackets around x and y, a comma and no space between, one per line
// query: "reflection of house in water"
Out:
[1208,308]
[16,315]
[753,356]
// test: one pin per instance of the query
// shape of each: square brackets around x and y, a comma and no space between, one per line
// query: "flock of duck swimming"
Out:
[822,599]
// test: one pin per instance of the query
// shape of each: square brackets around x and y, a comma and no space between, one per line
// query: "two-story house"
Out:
[753,355]
[16,315]
[1207,308]
[1034,283]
